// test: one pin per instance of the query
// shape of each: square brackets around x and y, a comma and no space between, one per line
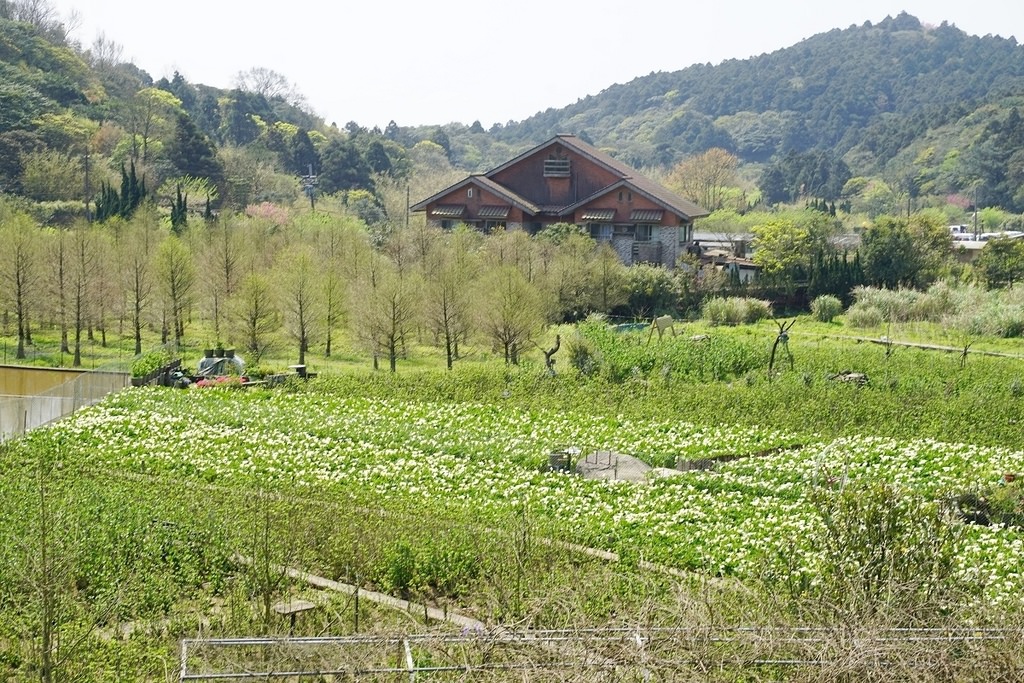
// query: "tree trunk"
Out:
[21,338]
[137,326]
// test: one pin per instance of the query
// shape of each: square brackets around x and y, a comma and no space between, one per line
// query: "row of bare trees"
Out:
[307,282]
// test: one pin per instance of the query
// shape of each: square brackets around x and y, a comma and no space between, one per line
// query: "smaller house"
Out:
[968,245]
[566,180]
[737,243]
[740,268]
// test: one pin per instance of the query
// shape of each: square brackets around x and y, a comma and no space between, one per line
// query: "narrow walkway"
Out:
[373,596]
[883,341]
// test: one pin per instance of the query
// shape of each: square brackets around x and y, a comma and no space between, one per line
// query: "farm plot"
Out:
[489,459]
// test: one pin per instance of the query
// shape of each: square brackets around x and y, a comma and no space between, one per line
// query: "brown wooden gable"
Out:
[562,179]
[554,174]
[476,197]
[628,204]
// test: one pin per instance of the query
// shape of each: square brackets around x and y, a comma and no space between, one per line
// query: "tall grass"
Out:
[826,308]
[967,309]
[735,310]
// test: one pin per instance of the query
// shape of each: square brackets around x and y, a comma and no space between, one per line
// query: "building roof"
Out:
[654,191]
[628,177]
[485,183]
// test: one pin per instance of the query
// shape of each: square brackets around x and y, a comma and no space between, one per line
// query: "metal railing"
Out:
[627,653]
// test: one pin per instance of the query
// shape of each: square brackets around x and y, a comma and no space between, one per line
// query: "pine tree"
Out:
[192,153]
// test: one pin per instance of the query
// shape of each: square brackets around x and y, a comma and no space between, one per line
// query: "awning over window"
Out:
[448,210]
[494,211]
[646,215]
[599,215]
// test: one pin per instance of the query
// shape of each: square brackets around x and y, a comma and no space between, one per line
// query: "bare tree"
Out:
[300,296]
[705,178]
[57,284]
[254,315]
[42,14]
[137,272]
[82,264]
[269,84]
[514,248]
[220,271]
[388,309]
[341,247]
[177,276]
[105,53]
[19,265]
[510,311]
[449,268]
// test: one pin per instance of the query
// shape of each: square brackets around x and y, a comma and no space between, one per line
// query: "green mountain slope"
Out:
[875,86]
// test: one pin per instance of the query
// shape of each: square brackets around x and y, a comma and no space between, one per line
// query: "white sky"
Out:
[444,61]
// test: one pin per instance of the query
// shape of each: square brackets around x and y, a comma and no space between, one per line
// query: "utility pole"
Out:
[975,211]
[309,185]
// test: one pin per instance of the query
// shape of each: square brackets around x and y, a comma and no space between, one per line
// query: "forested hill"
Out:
[928,110]
[876,85]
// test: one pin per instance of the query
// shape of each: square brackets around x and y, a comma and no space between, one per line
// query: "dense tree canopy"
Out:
[192,153]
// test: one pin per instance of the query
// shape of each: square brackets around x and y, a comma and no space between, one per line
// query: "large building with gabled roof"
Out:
[566,180]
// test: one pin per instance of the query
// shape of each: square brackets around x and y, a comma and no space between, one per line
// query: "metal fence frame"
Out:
[634,651]
[20,414]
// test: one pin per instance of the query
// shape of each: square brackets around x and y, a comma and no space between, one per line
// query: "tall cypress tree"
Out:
[113,203]
[126,194]
[179,212]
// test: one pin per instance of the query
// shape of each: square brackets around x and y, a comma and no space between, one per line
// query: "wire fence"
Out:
[588,654]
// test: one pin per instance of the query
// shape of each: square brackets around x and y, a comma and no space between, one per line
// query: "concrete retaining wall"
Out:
[31,397]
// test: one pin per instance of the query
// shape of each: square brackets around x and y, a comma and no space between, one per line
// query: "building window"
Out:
[556,168]
[685,234]
[469,193]
[601,232]
[620,195]
[447,224]
[493,225]
[644,232]
[628,231]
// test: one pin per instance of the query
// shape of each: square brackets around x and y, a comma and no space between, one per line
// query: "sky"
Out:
[432,63]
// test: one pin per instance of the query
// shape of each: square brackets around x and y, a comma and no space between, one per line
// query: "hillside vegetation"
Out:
[925,110]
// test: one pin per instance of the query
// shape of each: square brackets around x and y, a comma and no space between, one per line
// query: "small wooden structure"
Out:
[292,609]
[661,323]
